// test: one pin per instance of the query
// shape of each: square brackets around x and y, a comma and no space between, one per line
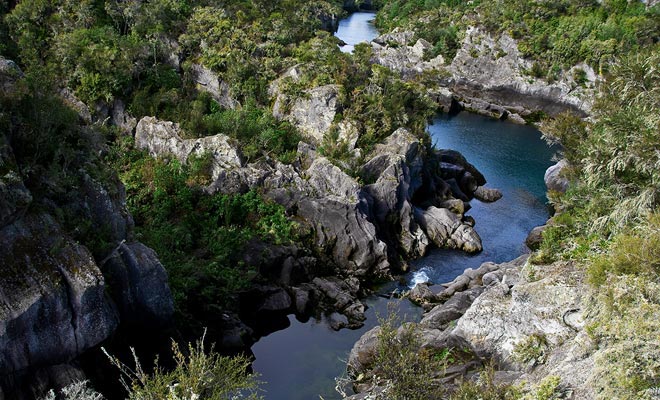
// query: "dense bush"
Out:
[198,237]
[406,370]
[555,34]
[608,222]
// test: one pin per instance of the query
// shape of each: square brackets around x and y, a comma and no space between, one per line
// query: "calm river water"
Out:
[302,361]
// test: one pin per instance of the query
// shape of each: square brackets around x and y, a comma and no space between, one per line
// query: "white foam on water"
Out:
[420,276]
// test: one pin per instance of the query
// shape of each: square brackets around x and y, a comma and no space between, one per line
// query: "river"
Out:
[356,28]
[302,361]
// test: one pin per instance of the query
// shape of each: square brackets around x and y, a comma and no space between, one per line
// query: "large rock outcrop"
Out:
[53,300]
[338,211]
[208,81]
[314,112]
[397,52]
[529,318]
[397,167]
[488,75]
[491,70]
[139,286]
[554,177]
[446,230]
[164,137]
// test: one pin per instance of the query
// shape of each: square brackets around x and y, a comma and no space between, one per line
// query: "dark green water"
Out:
[302,361]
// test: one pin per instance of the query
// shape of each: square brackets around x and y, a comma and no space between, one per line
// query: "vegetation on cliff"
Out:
[608,222]
[555,34]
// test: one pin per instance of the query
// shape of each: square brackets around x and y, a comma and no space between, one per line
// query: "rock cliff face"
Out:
[492,70]
[54,304]
[54,292]
[532,327]
[360,233]
[488,75]
[163,137]
[314,112]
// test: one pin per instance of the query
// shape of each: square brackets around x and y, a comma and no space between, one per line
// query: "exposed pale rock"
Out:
[487,195]
[421,294]
[502,317]
[326,179]
[451,310]
[363,353]
[446,230]
[554,180]
[162,138]
[209,81]
[490,70]
[122,119]
[535,237]
[312,113]
[394,50]
[338,211]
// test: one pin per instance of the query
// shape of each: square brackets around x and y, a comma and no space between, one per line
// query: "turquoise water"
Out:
[513,158]
[301,362]
[356,28]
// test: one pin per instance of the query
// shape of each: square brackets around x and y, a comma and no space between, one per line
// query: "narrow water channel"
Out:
[302,361]
[356,28]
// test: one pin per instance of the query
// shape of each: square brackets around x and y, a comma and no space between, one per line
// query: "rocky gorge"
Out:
[358,233]
[362,219]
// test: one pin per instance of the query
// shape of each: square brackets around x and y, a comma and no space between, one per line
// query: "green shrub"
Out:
[198,237]
[637,253]
[408,371]
[532,349]
[197,375]
[486,388]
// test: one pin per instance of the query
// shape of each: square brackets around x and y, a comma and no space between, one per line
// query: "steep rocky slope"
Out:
[58,298]
[488,75]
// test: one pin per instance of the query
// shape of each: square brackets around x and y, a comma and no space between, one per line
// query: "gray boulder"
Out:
[104,207]
[120,118]
[446,230]
[162,138]
[421,294]
[451,310]
[535,237]
[53,304]
[138,284]
[554,179]
[397,165]
[342,297]
[10,74]
[312,113]
[363,353]
[487,195]
[338,213]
